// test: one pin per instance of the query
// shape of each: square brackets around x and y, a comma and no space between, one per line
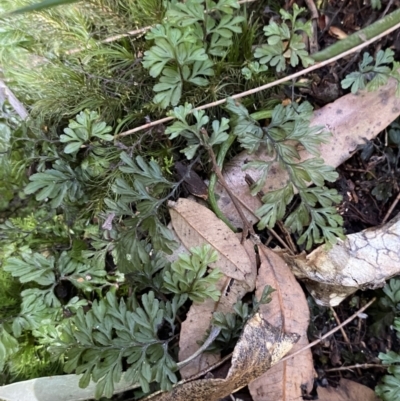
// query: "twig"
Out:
[314,16]
[213,181]
[346,339]
[329,333]
[389,4]
[328,25]
[247,226]
[395,202]
[191,378]
[357,366]
[269,85]
[7,94]
[212,336]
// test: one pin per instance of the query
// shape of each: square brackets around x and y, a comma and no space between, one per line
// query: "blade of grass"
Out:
[42,6]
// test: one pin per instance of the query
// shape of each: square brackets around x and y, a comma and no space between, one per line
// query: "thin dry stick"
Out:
[247,226]
[113,38]
[395,202]
[346,339]
[329,333]
[7,94]
[314,16]
[131,33]
[267,86]
[357,366]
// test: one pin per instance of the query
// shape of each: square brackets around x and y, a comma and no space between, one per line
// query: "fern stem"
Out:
[213,180]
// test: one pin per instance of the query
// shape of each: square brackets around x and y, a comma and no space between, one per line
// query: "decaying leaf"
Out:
[347,391]
[60,388]
[195,225]
[363,260]
[192,181]
[260,346]
[351,119]
[193,329]
[288,309]
[337,33]
[198,320]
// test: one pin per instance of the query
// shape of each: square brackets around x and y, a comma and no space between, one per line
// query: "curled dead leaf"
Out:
[363,260]
[260,346]
[337,33]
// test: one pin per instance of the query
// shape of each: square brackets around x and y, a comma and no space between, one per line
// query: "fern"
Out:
[231,323]
[289,128]
[194,134]
[186,275]
[82,132]
[142,191]
[373,75]
[194,31]
[113,333]
[284,44]
[60,184]
[389,388]
[51,273]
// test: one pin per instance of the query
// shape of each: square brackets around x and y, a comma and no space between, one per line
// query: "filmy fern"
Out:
[373,75]
[61,184]
[113,334]
[231,323]
[51,273]
[83,130]
[290,128]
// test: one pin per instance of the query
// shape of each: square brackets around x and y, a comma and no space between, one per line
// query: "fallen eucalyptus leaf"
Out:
[260,346]
[351,119]
[288,309]
[363,260]
[56,388]
[195,225]
[347,390]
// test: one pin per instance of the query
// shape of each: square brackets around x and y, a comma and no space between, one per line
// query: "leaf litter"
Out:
[194,225]
[289,310]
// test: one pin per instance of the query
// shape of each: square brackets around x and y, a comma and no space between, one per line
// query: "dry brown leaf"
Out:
[193,330]
[351,119]
[260,346]
[363,260]
[347,391]
[289,310]
[195,225]
[337,33]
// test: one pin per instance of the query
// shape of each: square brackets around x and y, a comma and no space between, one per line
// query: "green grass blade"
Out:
[42,6]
